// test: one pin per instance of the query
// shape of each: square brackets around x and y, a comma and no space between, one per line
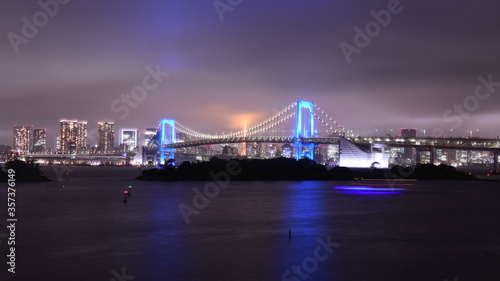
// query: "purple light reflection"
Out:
[367,188]
[370,192]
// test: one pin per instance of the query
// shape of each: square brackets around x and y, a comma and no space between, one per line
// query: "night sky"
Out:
[261,57]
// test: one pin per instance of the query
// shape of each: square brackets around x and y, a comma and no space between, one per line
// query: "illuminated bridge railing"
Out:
[331,140]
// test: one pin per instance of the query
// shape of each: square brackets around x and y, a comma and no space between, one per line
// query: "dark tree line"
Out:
[292,169]
[24,171]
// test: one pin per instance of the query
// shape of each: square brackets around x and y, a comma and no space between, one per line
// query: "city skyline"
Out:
[184,62]
[142,134]
[31,138]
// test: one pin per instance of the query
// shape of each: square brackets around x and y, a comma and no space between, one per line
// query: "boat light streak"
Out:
[367,188]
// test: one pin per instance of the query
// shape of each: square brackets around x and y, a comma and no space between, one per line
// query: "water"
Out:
[86,232]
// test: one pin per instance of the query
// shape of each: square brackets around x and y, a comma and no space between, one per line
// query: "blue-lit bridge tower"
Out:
[167,136]
[304,128]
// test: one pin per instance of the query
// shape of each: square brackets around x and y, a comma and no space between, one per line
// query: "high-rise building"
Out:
[105,137]
[23,138]
[149,135]
[73,137]
[128,138]
[39,140]
[68,136]
[82,137]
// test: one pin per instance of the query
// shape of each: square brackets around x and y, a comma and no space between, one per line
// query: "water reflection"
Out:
[85,231]
[370,192]
[310,216]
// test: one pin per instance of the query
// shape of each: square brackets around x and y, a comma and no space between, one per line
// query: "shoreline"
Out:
[280,169]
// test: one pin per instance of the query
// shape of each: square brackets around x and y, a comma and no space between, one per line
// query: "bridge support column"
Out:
[432,152]
[304,128]
[167,136]
[496,153]
[418,159]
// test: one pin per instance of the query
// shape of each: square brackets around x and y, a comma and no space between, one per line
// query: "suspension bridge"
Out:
[305,126]
[301,124]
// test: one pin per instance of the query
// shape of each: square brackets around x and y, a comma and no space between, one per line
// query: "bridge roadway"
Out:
[79,157]
[331,140]
[439,143]
[450,143]
[421,144]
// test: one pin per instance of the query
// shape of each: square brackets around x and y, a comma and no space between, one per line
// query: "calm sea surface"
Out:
[440,230]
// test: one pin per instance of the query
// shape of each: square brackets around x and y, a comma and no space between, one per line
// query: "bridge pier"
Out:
[304,128]
[418,158]
[167,136]
[496,153]
[432,152]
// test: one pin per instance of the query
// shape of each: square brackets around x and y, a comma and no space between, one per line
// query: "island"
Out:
[291,169]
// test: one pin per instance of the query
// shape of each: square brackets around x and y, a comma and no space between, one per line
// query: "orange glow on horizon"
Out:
[244,121]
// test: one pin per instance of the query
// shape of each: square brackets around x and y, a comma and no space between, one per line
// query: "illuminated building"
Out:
[332,154]
[58,142]
[39,140]
[353,157]
[287,150]
[73,137]
[128,139]
[82,137]
[149,134]
[254,150]
[105,137]
[23,138]
[318,155]
[228,150]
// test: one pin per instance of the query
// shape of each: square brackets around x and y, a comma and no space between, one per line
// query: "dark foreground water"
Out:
[85,231]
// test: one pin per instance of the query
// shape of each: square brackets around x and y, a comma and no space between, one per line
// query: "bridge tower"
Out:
[167,136]
[304,128]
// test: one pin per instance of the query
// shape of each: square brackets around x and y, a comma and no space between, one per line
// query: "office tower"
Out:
[105,137]
[149,134]
[409,133]
[39,140]
[128,138]
[23,138]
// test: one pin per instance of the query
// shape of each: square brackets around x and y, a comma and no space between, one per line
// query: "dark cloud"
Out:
[262,57]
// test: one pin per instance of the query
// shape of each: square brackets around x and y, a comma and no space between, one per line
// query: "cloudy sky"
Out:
[250,58]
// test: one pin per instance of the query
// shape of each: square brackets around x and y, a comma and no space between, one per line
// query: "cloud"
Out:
[265,55]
